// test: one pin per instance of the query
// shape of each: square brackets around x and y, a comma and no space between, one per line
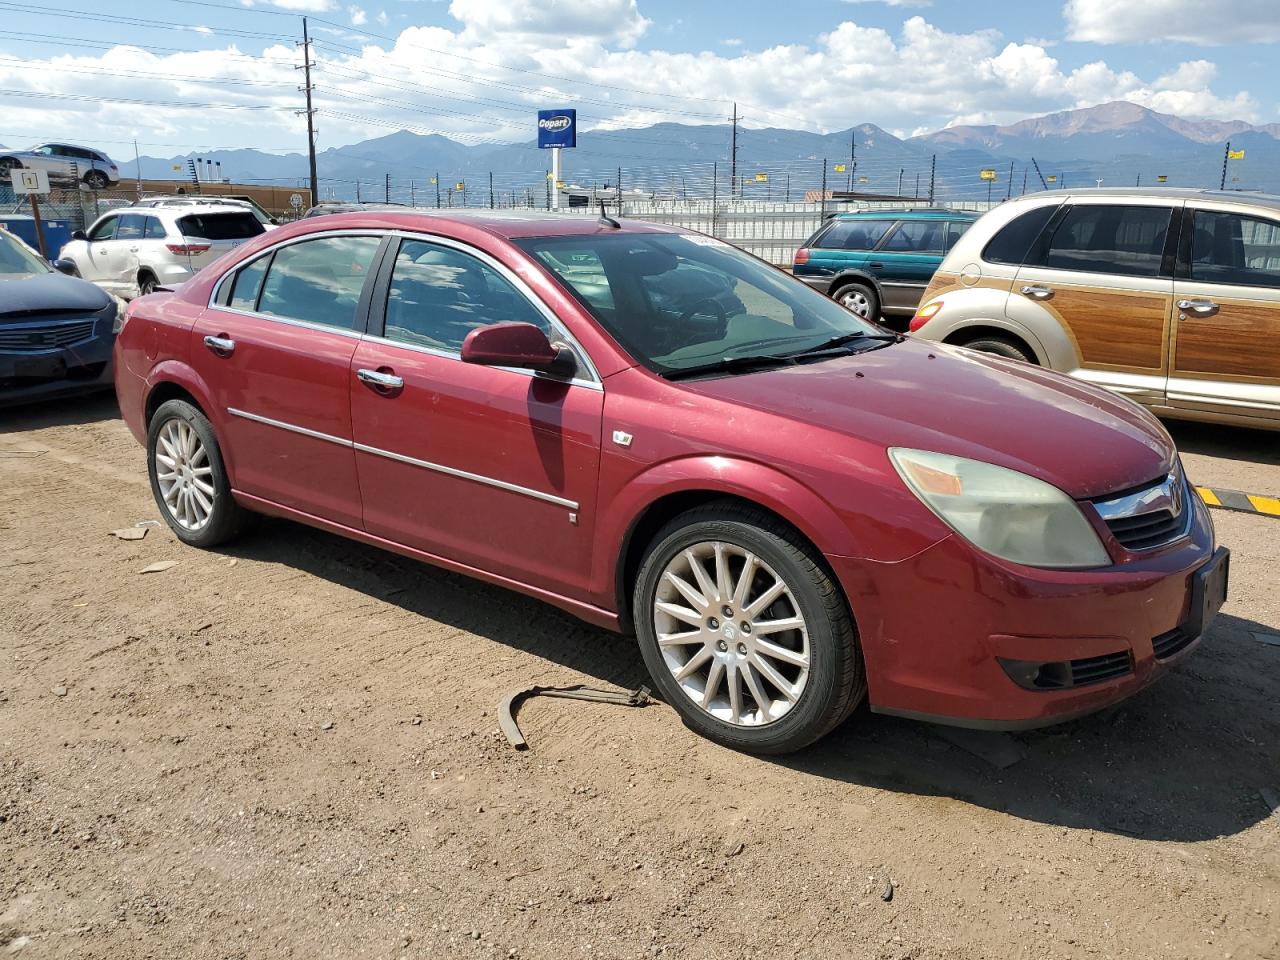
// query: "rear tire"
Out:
[1005,347]
[860,299]
[188,478]
[96,180]
[793,684]
[147,284]
[9,163]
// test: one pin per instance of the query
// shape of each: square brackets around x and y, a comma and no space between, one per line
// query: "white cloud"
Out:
[383,18]
[618,21]
[358,17]
[732,41]
[1204,22]
[896,3]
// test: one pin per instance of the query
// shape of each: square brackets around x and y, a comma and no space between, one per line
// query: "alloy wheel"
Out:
[731,633]
[184,474]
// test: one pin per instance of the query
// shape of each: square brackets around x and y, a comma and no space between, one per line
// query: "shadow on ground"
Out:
[1184,760]
[87,408]
[1224,442]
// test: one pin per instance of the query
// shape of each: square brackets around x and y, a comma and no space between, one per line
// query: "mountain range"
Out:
[1117,142]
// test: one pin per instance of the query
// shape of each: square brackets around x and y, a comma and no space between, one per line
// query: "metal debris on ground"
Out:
[129,533]
[638,697]
[147,523]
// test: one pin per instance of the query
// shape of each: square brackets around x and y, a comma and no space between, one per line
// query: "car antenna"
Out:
[606,220]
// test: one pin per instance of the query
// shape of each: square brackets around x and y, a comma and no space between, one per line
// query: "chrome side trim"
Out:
[292,428]
[464,475]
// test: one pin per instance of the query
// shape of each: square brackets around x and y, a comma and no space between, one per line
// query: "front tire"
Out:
[745,632]
[1002,347]
[188,478]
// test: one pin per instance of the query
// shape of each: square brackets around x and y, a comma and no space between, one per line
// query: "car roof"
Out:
[184,209]
[908,213]
[511,224]
[1162,193]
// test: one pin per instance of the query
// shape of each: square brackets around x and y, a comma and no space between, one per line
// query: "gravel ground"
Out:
[287,748]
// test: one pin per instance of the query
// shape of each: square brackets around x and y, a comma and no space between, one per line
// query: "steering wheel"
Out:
[716,308]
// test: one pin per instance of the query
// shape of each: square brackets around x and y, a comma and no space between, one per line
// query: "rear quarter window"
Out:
[1012,242]
[240,225]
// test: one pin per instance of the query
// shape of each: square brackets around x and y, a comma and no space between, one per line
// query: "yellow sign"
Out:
[988,174]
[177,166]
[862,179]
[434,180]
[762,178]
[1235,154]
[1051,179]
[1162,179]
[559,184]
[459,186]
[840,168]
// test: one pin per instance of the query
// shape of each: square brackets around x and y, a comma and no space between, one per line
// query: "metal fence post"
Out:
[933,170]
[822,196]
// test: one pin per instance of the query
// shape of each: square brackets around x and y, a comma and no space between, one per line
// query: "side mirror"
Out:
[517,345]
[64,265]
[79,235]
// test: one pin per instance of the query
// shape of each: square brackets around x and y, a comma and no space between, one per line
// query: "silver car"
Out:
[64,161]
[132,251]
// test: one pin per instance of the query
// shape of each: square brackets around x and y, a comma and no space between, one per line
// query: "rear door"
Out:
[846,245]
[1105,273]
[493,468]
[1226,339]
[209,235]
[275,349]
[905,261]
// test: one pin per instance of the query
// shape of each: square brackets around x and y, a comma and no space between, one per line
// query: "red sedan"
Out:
[793,509]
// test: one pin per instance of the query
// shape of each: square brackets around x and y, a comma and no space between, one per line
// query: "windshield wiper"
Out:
[847,338]
[731,364]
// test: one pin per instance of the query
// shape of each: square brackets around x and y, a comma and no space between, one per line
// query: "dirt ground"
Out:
[288,748]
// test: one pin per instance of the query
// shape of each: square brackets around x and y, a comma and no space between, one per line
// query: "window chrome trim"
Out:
[411,461]
[269,250]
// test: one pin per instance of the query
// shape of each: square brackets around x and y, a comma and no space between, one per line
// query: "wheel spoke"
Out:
[792,657]
[679,639]
[167,443]
[762,602]
[735,693]
[723,586]
[757,693]
[679,612]
[714,676]
[770,673]
[172,494]
[202,471]
[744,580]
[204,486]
[694,664]
[761,627]
[687,590]
[205,502]
[704,582]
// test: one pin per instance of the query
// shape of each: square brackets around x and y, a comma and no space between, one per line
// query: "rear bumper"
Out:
[935,629]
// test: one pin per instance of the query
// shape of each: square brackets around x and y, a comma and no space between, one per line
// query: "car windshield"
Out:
[680,302]
[17,260]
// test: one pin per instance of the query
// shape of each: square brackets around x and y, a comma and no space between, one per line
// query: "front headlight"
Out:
[1003,512]
[120,307]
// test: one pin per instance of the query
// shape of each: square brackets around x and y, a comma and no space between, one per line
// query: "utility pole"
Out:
[933,170]
[619,186]
[436,181]
[733,155]
[386,188]
[822,197]
[1226,154]
[310,111]
[490,189]
[413,196]
[1009,193]
[358,191]
[901,171]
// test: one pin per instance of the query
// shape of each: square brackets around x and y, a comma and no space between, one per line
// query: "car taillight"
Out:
[802,256]
[924,315]
[187,249]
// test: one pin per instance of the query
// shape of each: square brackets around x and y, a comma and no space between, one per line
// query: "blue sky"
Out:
[195,74]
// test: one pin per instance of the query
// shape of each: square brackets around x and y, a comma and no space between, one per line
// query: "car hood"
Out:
[1080,438]
[48,293]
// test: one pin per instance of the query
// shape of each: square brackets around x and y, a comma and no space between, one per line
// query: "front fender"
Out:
[858,276]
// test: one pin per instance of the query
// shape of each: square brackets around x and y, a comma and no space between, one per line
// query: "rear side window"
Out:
[1115,239]
[131,226]
[154,229]
[220,226]
[917,236]
[853,234]
[438,295]
[1231,248]
[319,281]
[1015,238]
[247,283]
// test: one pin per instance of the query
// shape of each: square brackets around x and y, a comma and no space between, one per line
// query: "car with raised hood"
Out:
[879,262]
[134,251]
[56,332]
[1170,297]
[766,491]
[63,161]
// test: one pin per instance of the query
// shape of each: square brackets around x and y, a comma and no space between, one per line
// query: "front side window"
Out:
[1105,238]
[319,281]
[1232,248]
[105,230]
[131,227]
[681,301]
[917,236]
[854,234]
[438,295]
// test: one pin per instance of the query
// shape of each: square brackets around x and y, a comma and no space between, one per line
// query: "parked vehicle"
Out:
[64,161]
[56,332]
[241,203]
[878,262]
[775,501]
[133,251]
[1170,297]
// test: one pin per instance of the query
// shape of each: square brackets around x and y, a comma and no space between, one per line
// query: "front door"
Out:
[276,352]
[97,264]
[492,468]
[1106,275]
[1226,339]
[906,260]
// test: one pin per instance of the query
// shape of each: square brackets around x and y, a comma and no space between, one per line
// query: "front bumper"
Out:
[936,627]
[29,376]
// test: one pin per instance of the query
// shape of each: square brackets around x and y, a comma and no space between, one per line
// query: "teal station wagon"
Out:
[878,262]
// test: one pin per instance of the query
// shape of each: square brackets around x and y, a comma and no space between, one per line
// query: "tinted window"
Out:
[319,280]
[1230,248]
[917,236]
[154,229]
[220,226]
[105,230]
[247,283]
[131,227]
[1110,239]
[854,234]
[438,295]
[677,301]
[1013,241]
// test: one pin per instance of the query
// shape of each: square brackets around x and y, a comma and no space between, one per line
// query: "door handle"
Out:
[222,346]
[376,378]
[1037,292]
[1201,308]
[877,265]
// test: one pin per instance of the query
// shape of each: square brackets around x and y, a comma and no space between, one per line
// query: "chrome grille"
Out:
[1149,517]
[44,336]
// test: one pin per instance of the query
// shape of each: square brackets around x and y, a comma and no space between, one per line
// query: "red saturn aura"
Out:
[791,508]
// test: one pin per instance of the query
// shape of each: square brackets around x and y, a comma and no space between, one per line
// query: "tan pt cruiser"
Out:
[1170,297]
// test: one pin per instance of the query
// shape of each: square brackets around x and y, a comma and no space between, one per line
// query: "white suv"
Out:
[132,251]
[64,161]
